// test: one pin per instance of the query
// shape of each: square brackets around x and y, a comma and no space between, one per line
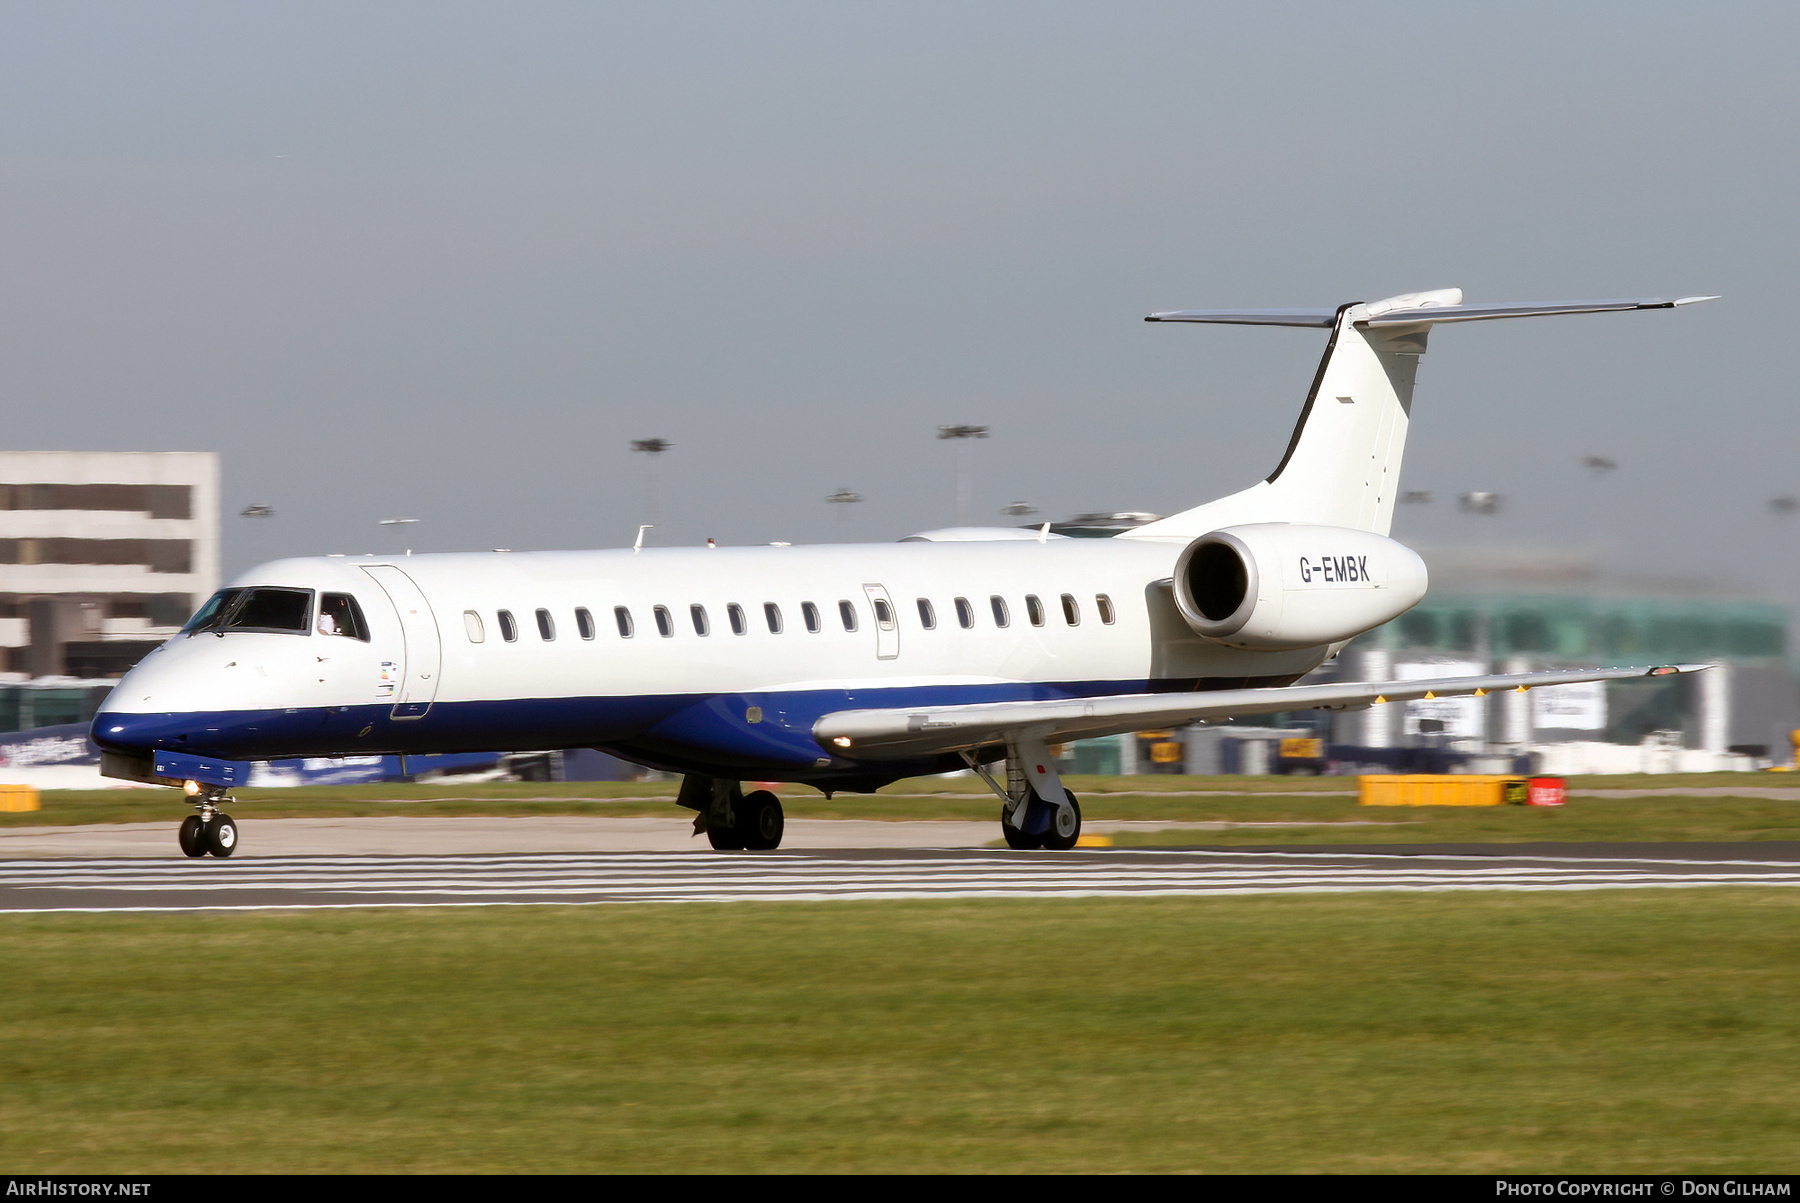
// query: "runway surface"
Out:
[301,882]
[407,836]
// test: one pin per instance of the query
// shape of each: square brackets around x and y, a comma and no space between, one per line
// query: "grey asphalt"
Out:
[399,836]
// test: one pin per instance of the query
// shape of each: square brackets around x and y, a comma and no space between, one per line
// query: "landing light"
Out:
[842,741]
[190,788]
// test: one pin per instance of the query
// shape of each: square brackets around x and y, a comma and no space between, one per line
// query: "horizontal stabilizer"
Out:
[1250,317]
[1415,315]
[900,734]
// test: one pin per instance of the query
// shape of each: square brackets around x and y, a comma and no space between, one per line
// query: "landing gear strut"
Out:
[731,818]
[1029,819]
[212,830]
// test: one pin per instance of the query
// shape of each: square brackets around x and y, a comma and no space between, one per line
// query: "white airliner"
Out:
[843,667]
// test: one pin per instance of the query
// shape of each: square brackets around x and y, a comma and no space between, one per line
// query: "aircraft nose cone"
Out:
[132,733]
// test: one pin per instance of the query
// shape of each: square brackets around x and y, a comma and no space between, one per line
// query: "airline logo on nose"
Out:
[1333,570]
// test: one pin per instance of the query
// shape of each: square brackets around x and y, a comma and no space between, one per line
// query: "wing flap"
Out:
[902,733]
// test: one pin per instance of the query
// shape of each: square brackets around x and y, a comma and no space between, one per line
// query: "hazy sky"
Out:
[446,260]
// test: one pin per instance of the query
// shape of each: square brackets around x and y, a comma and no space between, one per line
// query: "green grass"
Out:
[1609,1032]
[1581,820]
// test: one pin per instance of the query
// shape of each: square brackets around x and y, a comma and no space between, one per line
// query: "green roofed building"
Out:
[1513,612]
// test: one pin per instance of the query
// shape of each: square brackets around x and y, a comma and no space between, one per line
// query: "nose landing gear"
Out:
[212,830]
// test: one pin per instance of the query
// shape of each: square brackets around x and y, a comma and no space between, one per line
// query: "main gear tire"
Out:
[1019,841]
[725,839]
[761,821]
[1065,826]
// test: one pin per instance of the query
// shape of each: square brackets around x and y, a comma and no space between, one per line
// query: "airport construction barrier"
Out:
[1458,789]
[18,797]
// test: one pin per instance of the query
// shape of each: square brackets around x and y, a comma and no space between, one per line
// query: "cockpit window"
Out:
[269,610]
[340,615]
[207,615]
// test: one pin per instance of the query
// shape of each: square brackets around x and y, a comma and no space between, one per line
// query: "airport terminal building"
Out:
[1519,612]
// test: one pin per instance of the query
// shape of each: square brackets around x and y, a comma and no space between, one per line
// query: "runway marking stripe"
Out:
[855,897]
[619,878]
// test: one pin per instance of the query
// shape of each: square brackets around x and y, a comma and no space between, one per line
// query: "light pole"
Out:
[844,499]
[398,522]
[1481,503]
[654,449]
[962,434]
[256,510]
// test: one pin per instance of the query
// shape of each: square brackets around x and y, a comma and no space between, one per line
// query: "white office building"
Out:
[103,555]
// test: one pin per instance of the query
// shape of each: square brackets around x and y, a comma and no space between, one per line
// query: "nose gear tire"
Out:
[222,836]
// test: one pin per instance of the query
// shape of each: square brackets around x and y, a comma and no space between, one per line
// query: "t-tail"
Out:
[1342,466]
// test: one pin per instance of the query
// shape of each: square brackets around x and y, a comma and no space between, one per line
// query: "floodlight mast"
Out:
[843,499]
[962,434]
[397,522]
[654,449]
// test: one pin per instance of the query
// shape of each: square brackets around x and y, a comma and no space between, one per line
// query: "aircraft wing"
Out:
[907,732]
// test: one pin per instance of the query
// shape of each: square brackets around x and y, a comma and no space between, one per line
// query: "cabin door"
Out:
[887,622]
[419,670]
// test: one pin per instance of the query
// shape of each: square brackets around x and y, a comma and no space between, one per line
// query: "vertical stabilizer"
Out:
[1342,467]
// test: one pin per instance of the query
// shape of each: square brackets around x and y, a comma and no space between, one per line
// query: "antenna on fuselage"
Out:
[639,545]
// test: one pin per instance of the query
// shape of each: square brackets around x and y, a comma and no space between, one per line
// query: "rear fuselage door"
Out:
[887,622]
[419,671]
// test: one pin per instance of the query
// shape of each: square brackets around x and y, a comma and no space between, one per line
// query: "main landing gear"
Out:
[212,830]
[1029,819]
[731,818]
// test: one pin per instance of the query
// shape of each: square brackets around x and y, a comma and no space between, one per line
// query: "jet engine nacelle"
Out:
[1274,585]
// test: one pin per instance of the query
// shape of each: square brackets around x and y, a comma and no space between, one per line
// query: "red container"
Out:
[1546,791]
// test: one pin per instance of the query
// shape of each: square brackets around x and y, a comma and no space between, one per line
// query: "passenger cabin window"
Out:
[584,623]
[546,626]
[701,625]
[772,616]
[927,616]
[998,604]
[1104,604]
[1071,611]
[847,615]
[965,614]
[665,626]
[263,610]
[735,613]
[884,614]
[472,624]
[622,616]
[810,613]
[509,630]
[340,615]
[1034,609]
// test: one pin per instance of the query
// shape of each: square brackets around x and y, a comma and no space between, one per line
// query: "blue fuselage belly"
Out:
[749,734]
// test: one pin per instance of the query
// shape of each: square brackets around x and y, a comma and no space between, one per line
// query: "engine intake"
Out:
[1274,585]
